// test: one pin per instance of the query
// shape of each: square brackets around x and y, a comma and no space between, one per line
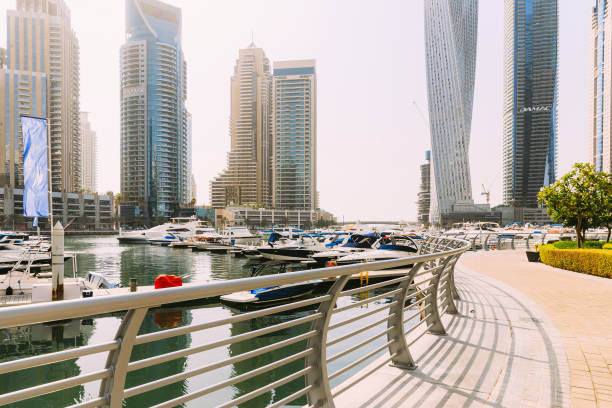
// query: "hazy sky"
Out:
[370,71]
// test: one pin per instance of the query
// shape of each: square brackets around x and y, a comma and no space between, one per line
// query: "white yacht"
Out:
[183,227]
[240,235]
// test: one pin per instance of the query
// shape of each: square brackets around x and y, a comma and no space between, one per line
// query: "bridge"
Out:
[452,328]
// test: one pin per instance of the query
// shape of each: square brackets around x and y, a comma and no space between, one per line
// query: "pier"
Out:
[457,329]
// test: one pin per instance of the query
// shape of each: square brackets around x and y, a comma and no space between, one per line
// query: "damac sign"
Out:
[543,108]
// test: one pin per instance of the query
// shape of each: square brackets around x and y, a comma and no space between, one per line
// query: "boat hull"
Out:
[280,254]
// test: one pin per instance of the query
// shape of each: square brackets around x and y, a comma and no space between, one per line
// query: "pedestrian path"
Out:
[580,307]
[501,350]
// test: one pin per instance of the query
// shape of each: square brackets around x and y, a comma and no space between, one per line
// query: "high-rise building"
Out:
[423,201]
[450,52]
[2,57]
[294,156]
[40,40]
[600,134]
[154,139]
[22,93]
[247,178]
[530,99]
[89,162]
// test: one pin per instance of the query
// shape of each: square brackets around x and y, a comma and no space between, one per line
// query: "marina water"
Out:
[119,263]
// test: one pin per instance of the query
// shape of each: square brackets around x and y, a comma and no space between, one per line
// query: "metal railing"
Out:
[416,297]
[487,240]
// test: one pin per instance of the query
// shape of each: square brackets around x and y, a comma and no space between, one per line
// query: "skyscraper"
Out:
[600,134]
[295,135]
[424,200]
[89,162]
[154,122]
[451,28]
[530,99]
[40,39]
[247,178]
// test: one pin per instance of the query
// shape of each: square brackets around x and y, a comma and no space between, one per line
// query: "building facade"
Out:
[89,162]
[599,148]
[450,52]
[22,93]
[530,99]
[423,201]
[248,176]
[40,40]
[154,121]
[294,159]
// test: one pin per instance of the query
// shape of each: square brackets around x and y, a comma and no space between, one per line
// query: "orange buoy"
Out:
[331,263]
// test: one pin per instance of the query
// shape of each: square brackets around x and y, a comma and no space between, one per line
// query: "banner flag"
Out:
[35,172]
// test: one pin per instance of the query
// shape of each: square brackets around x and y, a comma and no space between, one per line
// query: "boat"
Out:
[350,244]
[182,226]
[240,235]
[166,240]
[272,294]
[301,249]
[387,247]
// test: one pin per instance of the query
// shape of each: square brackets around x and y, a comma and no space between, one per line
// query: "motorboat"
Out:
[240,235]
[184,227]
[385,248]
[166,240]
[301,249]
[350,244]
[272,294]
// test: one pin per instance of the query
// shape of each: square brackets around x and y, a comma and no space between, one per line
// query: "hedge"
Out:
[607,246]
[573,244]
[590,261]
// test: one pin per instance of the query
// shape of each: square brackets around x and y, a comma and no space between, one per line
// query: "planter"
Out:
[533,256]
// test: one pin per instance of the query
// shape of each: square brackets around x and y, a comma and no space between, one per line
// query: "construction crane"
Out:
[485,192]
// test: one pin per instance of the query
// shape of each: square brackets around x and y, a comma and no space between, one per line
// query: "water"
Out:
[144,262]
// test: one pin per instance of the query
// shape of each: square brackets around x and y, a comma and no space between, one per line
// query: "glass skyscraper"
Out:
[295,136]
[451,28]
[600,134]
[530,99]
[154,122]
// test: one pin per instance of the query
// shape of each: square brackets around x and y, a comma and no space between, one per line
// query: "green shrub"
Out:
[585,244]
[607,246]
[590,261]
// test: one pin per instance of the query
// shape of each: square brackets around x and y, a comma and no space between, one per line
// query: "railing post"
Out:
[434,322]
[399,347]
[486,242]
[528,237]
[473,243]
[499,243]
[512,243]
[118,359]
[450,286]
[320,395]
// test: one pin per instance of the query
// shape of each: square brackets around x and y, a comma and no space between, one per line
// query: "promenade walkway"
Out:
[527,335]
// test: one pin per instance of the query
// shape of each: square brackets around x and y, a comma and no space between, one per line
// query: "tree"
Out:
[604,211]
[577,199]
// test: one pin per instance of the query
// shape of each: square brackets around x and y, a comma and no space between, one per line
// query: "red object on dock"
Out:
[167,281]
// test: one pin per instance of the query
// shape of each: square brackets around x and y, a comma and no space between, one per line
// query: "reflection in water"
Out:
[262,380]
[20,342]
[153,320]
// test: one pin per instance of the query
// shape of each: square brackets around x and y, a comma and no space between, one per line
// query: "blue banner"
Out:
[35,172]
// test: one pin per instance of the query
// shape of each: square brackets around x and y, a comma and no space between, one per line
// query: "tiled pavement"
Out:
[580,307]
[526,335]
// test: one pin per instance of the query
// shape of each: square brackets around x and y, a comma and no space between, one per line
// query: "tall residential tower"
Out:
[40,41]
[451,28]
[89,162]
[600,134]
[295,135]
[248,176]
[530,99]
[154,122]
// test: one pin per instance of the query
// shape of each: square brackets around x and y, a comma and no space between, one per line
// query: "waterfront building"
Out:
[423,201]
[600,129]
[270,217]
[294,159]
[22,93]
[154,121]
[248,175]
[2,57]
[40,40]
[530,99]
[450,52]
[89,161]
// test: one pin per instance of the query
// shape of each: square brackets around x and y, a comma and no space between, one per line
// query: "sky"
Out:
[372,98]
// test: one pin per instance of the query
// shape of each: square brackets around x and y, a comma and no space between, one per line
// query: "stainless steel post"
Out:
[57,261]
